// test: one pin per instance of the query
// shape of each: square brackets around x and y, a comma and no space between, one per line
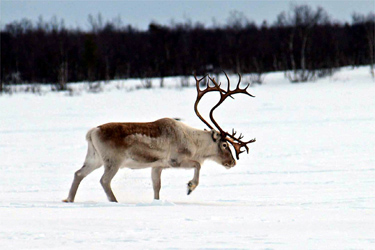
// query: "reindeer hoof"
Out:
[190,187]
[66,201]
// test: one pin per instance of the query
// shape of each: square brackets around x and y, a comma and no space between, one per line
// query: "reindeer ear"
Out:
[215,135]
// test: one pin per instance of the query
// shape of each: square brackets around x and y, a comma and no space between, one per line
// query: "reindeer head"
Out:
[222,154]
[220,137]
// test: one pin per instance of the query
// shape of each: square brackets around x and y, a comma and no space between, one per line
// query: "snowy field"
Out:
[307,183]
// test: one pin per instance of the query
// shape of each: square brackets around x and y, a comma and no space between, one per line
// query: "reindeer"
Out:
[165,143]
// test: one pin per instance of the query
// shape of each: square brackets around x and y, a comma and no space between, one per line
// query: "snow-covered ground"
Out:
[308,182]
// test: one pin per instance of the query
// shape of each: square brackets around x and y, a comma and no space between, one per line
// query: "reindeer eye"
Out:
[225,145]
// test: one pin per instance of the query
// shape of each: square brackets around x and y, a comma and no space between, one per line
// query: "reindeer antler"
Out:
[200,94]
[237,143]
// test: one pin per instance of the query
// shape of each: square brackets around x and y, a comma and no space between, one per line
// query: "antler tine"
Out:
[238,145]
[247,86]
[212,80]
[228,89]
[240,137]
[239,81]
[244,90]
[252,140]
[199,80]
[217,85]
[238,88]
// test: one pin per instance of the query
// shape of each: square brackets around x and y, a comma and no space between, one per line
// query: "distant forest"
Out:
[303,42]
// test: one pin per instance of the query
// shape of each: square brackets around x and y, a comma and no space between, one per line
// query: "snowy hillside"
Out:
[307,183]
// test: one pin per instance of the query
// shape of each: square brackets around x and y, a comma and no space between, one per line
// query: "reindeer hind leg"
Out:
[92,162]
[110,171]
[78,177]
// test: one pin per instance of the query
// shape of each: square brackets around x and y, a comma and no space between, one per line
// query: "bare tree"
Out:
[301,19]
[62,76]
[369,23]
[96,23]
[258,76]
[184,81]
[238,20]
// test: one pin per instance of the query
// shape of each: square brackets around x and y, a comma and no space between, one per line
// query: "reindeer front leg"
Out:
[195,181]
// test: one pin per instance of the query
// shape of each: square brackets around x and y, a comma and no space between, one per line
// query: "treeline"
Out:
[303,42]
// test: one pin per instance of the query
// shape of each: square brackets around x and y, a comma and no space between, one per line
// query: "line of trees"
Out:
[302,42]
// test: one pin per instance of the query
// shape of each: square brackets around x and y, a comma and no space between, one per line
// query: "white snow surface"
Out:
[307,183]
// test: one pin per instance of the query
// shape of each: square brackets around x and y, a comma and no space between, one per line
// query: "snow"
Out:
[307,183]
